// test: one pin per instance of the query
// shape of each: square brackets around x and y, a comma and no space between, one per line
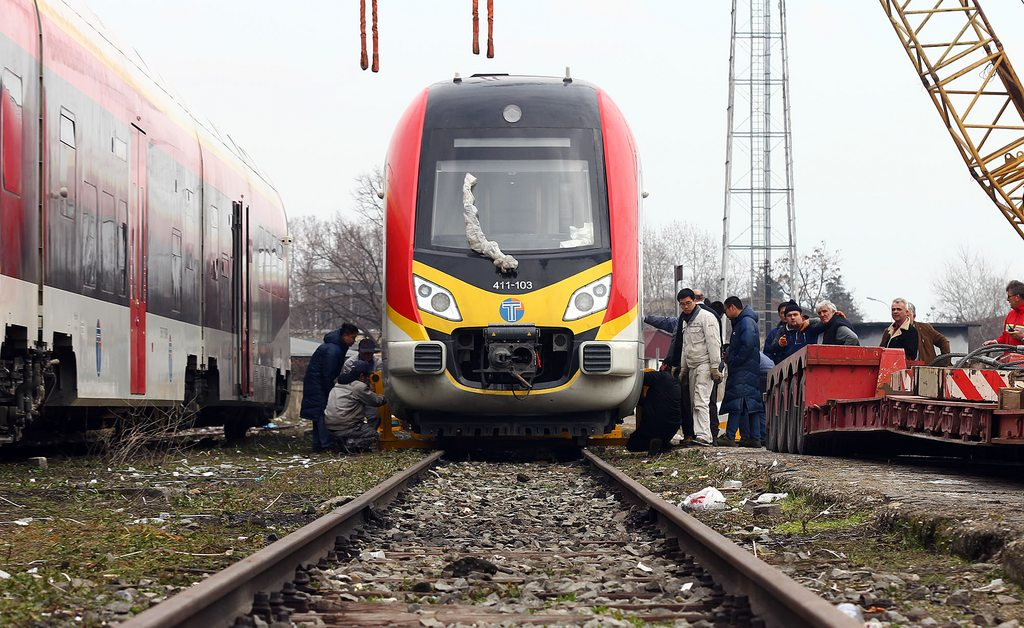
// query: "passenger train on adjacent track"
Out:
[142,257]
[512,273]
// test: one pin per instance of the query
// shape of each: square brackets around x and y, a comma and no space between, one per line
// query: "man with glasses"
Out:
[1013,326]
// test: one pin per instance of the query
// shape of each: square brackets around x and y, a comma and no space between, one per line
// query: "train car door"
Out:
[241,303]
[137,258]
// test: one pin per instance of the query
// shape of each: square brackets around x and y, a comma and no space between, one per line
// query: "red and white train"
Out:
[143,260]
[512,267]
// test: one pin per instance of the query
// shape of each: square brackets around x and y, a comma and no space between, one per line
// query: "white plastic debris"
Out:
[996,586]
[475,234]
[851,610]
[374,555]
[579,236]
[23,522]
[709,498]
[644,568]
[732,484]
[4,575]
[770,498]
[686,587]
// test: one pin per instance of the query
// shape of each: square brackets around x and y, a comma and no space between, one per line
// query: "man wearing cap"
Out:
[367,350]
[791,338]
[348,406]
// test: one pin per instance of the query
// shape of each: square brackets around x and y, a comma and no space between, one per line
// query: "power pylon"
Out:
[759,227]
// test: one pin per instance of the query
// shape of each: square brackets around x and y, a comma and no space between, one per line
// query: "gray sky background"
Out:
[876,173]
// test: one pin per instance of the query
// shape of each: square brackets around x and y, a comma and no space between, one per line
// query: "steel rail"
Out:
[774,596]
[227,594]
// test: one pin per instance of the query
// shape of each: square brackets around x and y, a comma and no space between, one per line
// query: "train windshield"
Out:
[531,193]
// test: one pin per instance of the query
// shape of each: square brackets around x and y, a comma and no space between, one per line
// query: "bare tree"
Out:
[683,244]
[337,264]
[819,276]
[969,289]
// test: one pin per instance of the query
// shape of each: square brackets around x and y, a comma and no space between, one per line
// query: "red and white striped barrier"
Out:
[974,384]
[903,381]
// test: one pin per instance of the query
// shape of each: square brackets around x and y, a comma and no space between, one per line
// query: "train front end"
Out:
[512,260]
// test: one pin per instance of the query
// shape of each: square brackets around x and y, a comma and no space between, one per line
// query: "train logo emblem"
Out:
[511,310]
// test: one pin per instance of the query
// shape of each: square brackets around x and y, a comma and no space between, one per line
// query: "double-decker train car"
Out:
[512,266]
[142,258]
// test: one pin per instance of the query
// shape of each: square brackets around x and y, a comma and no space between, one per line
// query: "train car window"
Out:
[67,166]
[122,248]
[190,220]
[108,244]
[225,266]
[212,220]
[67,129]
[176,269]
[12,131]
[88,235]
[119,147]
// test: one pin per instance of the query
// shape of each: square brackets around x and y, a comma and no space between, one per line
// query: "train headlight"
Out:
[434,299]
[591,298]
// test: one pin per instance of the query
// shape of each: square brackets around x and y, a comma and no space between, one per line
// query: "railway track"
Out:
[500,544]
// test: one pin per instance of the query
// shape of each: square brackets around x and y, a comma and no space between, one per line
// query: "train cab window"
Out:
[533,193]
[88,236]
[527,204]
[12,131]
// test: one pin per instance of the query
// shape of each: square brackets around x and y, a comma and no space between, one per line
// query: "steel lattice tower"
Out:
[759,228]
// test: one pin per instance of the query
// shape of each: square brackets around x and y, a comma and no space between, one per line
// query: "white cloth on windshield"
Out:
[475,234]
[579,236]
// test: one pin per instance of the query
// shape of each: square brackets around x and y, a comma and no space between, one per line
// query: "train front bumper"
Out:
[608,380]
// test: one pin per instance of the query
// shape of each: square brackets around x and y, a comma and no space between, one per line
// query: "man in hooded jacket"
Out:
[324,367]
[743,399]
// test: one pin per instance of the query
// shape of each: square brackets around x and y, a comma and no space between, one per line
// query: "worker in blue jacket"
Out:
[324,368]
[743,400]
[792,337]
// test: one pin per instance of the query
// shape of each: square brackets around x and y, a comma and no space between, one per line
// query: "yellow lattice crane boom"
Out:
[974,88]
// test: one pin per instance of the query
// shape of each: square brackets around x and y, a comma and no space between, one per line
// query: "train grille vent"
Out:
[427,358]
[597,358]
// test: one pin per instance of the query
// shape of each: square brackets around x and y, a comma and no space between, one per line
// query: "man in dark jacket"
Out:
[792,336]
[833,329]
[773,333]
[743,399]
[324,368]
[902,334]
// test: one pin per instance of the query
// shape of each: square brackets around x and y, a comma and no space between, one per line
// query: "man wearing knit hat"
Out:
[791,338]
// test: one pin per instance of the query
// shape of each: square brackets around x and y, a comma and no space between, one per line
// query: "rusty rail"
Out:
[223,596]
[773,595]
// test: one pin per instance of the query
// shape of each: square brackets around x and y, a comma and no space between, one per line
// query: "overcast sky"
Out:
[876,173]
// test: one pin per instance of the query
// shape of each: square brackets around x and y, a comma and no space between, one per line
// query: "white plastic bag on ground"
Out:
[709,498]
[769,498]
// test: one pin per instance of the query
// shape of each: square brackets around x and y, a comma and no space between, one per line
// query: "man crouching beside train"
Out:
[351,415]
[697,350]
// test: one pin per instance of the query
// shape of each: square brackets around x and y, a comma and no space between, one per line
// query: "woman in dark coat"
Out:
[743,399]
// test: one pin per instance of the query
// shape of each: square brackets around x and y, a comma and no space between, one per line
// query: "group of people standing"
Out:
[696,356]
[336,394]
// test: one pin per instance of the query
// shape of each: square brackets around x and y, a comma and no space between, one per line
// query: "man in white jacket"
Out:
[697,351]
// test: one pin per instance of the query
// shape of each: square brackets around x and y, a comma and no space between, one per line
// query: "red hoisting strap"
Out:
[376,61]
[363,63]
[490,29]
[476,27]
